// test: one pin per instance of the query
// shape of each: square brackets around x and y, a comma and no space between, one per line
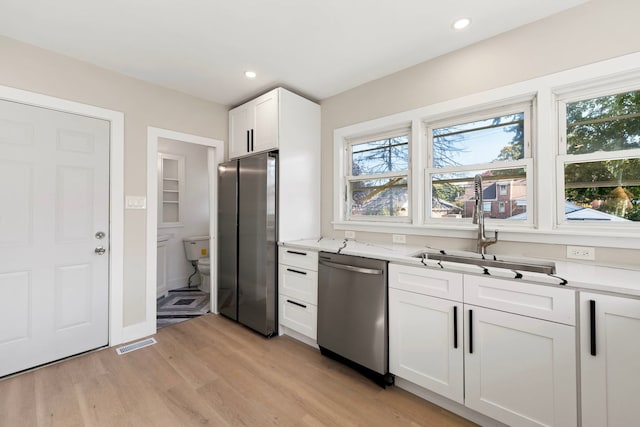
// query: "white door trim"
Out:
[215,157]
[116,191]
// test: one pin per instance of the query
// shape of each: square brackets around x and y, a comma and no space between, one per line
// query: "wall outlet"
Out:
[581,252]
[349,234]
[399,238]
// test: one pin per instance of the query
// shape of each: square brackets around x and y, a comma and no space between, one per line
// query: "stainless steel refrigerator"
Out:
[247,241]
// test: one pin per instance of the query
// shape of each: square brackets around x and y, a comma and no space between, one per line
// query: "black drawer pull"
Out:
[470,331]
[297,253]
[251,139]
[297,271]
[248,150]
[296,303]
[455,326]
[592,318]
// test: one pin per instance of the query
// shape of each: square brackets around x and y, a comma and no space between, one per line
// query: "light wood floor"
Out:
[210,371]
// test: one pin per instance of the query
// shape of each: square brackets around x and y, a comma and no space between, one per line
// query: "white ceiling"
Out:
[316,47]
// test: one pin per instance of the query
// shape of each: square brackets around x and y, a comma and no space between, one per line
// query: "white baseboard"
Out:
[447,404]
[283,330]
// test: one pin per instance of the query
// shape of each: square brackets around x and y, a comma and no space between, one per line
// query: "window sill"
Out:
[624,239]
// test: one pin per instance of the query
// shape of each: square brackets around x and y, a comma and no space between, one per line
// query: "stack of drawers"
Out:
[298,290]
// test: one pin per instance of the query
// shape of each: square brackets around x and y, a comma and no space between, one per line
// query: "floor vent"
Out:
[136,346]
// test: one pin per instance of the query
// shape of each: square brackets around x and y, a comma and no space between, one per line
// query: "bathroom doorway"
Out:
[182,208]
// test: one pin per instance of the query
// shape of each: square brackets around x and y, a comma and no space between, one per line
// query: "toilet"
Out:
[196,249]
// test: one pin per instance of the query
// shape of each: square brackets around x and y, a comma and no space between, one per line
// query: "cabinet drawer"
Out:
[426,282]
[298,315]
[528,299]
[298,258]
[298,283]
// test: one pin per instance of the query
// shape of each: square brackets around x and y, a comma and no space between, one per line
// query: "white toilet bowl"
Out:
[204,268]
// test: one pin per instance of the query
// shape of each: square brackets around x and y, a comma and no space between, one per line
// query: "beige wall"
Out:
[143,104]
[598,30]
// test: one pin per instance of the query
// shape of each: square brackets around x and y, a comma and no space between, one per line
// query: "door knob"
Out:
[100,250]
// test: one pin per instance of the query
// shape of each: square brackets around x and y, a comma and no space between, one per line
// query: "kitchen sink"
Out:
[491,261]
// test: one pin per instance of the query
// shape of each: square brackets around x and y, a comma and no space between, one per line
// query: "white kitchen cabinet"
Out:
[253,127]
[610,360]
[515,359]
[298,291]
[425,342]
[282,120]
[520,370]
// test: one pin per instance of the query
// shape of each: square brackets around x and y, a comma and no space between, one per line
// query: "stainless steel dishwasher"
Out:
[352,313]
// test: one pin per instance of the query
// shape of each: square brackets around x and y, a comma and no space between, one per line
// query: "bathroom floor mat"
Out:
[180,305]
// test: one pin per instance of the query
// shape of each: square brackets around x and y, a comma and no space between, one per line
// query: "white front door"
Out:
[54,186]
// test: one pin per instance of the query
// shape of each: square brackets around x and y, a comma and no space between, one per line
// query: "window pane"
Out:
[380,197]
[482,141]
[384,155]
[454,195]
[607,123]
[606,190]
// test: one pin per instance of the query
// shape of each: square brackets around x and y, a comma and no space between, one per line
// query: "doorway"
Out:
[215,155]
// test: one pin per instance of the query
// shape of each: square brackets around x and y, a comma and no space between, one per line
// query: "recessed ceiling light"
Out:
[250,74]
[461,24]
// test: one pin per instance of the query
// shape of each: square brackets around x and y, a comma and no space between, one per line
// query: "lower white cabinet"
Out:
[610,360]
[298,315]
[425,341]
[298,291]
[520,370]
[514,368]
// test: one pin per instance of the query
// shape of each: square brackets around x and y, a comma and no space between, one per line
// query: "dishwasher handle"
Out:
[351,268]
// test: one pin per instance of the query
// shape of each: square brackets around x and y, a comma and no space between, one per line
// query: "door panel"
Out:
[16,310]
[16,188]
[54,182]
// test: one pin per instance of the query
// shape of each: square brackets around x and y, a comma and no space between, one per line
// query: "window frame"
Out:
[526,106]
[544,229]
[568,96]
[348,178]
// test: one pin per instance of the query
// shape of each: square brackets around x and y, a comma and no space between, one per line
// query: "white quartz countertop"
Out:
[571,274]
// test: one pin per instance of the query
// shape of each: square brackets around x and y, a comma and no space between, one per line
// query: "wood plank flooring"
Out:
[210,371]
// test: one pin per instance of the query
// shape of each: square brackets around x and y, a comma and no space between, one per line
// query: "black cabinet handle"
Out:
[251,139]
[297,271]
[470,331]
[296,303]
[248,141]
[296,253]
[455,326]
[592,319]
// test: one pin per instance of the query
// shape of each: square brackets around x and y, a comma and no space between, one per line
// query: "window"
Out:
[599,158]
[494,144]
[377,176]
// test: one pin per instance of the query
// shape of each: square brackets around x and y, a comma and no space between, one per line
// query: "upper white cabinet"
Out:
[282,120]
[253,127]
[610,360]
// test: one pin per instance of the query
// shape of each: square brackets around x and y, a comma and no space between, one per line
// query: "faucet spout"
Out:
[478,218]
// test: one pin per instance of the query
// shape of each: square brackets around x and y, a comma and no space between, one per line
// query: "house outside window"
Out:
[377,177]
[599,158]
[495,144]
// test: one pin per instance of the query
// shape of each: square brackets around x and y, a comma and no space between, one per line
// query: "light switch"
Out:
[135,202]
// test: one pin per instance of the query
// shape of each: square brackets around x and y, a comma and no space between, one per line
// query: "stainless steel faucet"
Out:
[478,218]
